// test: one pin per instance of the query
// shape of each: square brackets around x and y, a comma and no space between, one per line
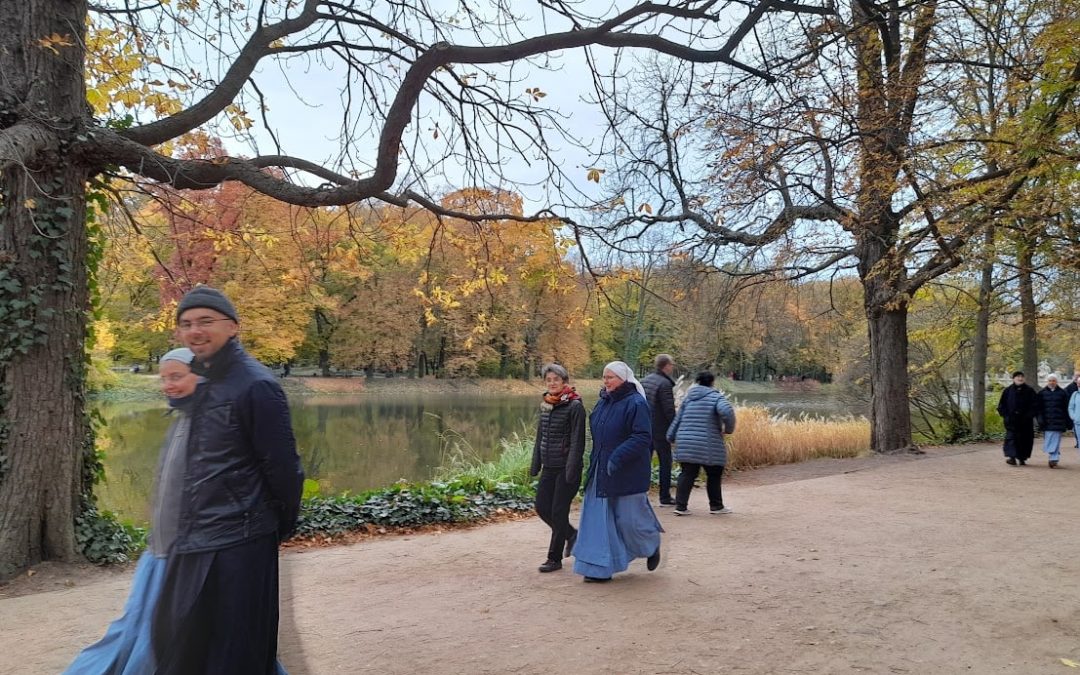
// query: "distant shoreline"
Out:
[143,387]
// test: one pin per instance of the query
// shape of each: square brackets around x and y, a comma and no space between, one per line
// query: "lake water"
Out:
[355,443]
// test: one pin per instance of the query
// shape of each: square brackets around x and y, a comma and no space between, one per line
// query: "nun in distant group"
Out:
[617,521]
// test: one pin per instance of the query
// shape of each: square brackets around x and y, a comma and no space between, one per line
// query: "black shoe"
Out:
[1010,461]
[570,545]
[1023,462]
[1053,464]
[551,566]
[667,502]
[653,561]
[597,580]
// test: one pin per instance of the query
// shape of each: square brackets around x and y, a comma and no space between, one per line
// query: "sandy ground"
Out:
[949,563]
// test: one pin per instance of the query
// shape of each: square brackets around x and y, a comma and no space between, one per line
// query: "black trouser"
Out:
[689,474]
[663,450]
[218,612]
[553,498]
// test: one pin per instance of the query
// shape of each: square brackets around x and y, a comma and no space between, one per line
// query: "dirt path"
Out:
[952,563]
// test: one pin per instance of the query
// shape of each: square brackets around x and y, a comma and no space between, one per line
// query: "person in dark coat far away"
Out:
[660,393]
[698,431]
[218,611]
[1053,415]
[617,520]
[557,457]
[1017,407]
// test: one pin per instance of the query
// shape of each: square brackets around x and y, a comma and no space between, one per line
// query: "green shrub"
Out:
[103,539]
[457,501]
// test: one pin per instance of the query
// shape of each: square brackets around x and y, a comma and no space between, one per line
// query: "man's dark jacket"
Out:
[243,478]
[660,393]
[1017,407]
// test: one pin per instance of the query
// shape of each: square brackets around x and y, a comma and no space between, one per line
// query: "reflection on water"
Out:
[362,442]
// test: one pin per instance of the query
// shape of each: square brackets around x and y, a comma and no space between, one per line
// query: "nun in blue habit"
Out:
[617,521]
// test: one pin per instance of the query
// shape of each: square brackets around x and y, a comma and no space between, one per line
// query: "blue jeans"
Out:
[1052,444]
[1076,433]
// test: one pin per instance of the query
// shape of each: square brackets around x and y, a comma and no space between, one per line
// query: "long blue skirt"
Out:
[614,531]
[127,647]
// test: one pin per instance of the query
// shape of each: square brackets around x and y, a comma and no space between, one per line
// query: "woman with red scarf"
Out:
[557,457]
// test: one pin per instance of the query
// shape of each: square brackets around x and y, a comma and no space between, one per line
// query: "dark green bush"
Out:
[410,505]
[103,539]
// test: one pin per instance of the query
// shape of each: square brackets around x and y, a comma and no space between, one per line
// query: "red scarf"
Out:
[567,394]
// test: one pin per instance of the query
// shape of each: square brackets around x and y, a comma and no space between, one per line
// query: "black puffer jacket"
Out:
[243,477]
[1054,409]
[560,440]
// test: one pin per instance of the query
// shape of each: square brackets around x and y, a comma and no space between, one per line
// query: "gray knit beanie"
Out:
[210,298]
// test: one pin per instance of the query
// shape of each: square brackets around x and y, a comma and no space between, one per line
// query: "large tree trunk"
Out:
[43,288]
[890,412]
[981,340]
[1028,312]
[885,302]
[323,329]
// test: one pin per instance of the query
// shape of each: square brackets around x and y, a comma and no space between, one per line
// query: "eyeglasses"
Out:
[199,323]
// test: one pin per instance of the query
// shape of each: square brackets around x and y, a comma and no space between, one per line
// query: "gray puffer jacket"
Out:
[699,427]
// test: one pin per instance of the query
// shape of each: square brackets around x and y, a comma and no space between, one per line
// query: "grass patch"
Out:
[764,440]
[511,466]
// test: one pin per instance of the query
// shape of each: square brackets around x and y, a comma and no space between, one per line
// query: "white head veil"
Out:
[181,354]
[624,372]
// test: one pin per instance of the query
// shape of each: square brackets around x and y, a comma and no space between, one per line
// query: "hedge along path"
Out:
[913,565]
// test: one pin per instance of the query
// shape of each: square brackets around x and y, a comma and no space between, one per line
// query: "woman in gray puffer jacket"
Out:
[698,433]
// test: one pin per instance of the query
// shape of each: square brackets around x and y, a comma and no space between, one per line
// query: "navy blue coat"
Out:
[621,461]
[243,479]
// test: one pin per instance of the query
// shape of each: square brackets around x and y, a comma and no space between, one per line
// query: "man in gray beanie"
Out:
[218,610]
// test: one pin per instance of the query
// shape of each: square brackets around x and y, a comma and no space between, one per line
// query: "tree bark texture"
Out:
[43,286]
[1029,314]
[981,339]
[886,314]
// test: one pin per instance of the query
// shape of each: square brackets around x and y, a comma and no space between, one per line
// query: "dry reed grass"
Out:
[763,440]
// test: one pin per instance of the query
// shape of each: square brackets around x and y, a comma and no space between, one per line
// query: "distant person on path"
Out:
[698,431]
[617,520]
[660,393]
[1017,407]
[1074,412]
[1053,415]
[557,457]
[240,496]
[126,647]
[1070,390]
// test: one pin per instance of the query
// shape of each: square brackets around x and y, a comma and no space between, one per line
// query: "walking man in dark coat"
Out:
[218,611]
[1018,407]
[660,393]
